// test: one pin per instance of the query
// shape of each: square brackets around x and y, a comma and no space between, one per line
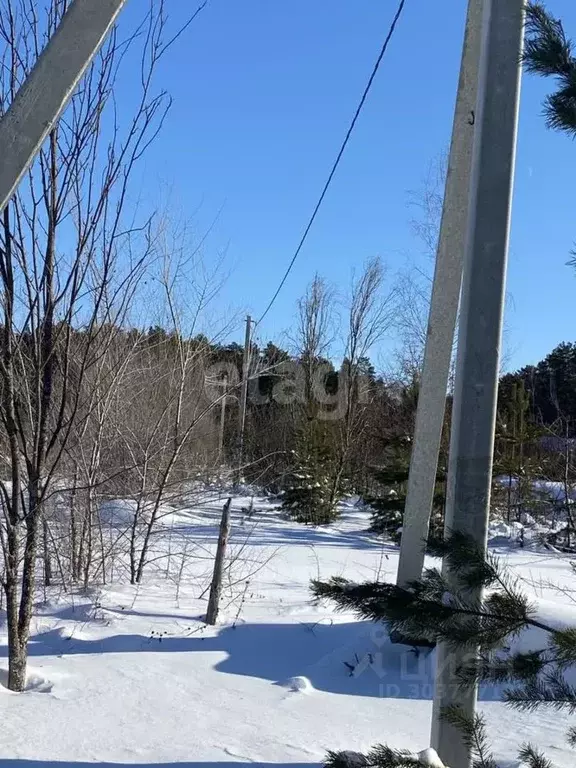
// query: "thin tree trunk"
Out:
[28,576]
[74,543]
[46,548]
[89,551]
[569,520]
[133,534]
[16,660]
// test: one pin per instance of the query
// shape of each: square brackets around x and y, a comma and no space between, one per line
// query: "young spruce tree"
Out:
[307,497]
[388,505]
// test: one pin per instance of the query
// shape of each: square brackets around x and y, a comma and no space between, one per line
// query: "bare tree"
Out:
[66,272]
[371,313]
[415,282]
[314,335]
[172,425]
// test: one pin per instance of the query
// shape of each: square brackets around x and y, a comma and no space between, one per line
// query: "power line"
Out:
[383,50]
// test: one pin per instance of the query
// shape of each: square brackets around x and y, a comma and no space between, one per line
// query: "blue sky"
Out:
[263,93]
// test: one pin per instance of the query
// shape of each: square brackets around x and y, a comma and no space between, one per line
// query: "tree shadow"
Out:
[17,763]
[266,531]
[351,658]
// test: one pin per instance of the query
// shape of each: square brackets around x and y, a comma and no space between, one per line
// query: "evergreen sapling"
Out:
[484,625]
[308,496]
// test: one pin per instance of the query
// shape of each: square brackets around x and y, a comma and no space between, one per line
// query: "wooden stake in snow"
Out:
[216,588]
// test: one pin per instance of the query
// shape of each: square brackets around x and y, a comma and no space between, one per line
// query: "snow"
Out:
[429,757]
[298,684]
[548,489]
[132,674]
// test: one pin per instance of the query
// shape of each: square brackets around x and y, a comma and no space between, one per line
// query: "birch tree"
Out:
[71,257]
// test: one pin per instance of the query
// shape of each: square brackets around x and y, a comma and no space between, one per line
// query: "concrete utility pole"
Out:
[49,86]
[443,311]
[480,331]
[244,394]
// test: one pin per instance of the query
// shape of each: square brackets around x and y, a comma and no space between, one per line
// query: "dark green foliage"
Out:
[550,385]
[308,496]
[423,610]
[387,514]
[386,757]
[345,760]
[533,758]
[549,53]
[381,756]
[474,734]
[391,480]
[482,614]
[514,456]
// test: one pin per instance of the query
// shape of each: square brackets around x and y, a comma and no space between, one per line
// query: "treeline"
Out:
[550,387]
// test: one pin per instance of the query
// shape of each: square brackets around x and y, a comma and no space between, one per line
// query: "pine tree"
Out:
[388,505]
[514,466]
[431,609]
[548,52]
[307,497]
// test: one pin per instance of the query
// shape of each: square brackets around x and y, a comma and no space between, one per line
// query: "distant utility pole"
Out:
[224,384]
[244,395]
[46,91]
[433,383]
[480,330]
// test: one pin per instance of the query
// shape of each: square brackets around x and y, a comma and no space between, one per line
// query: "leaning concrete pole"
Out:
[244,396]
[46,91]
[443,311]
[480,331]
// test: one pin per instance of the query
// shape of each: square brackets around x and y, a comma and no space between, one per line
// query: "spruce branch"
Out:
[563,646]
[549,53]
[533,759]
[491,668]
[473,731]
[550,690]
[430,610]
[344,759]
[434,609]
[381,756]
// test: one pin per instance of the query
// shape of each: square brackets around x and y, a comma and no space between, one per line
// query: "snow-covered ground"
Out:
[132,675]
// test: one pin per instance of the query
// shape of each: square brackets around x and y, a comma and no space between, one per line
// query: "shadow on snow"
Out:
[352,658]
[73,764]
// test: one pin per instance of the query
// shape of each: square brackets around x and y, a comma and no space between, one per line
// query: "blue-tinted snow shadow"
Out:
[270,529]
[274,535]
[94,764]
[231,764]
[352,658]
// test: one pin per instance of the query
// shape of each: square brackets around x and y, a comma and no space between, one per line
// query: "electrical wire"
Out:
[367,89]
